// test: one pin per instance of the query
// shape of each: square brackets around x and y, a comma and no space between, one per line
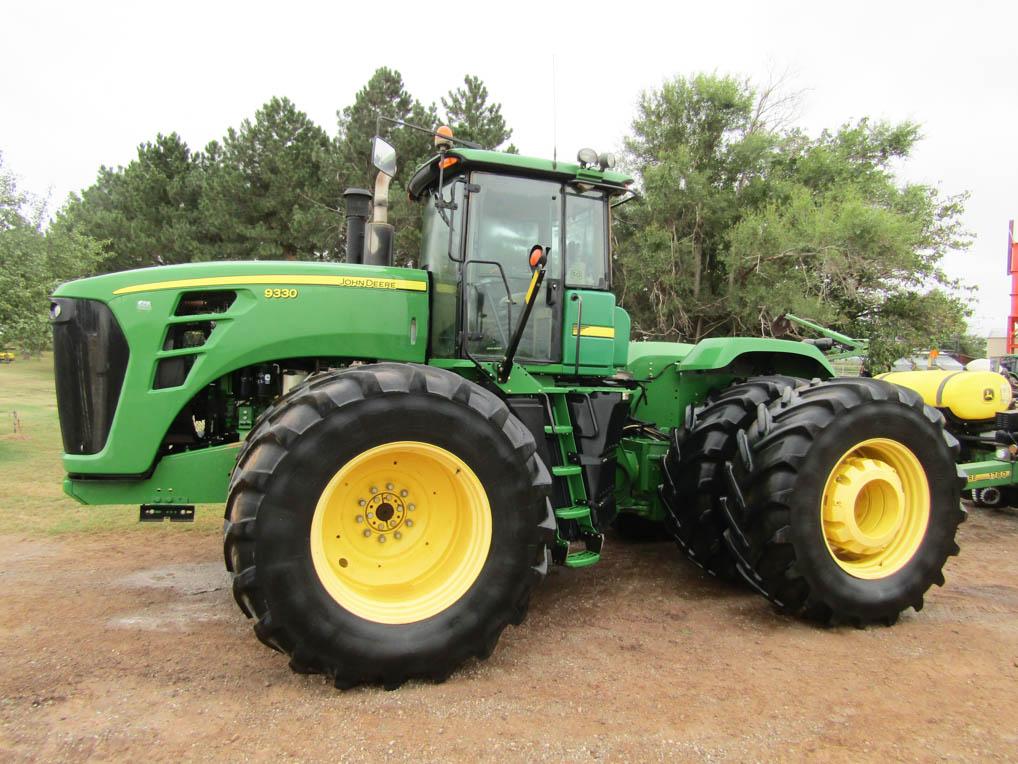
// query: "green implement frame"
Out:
[992,472]
[850,345]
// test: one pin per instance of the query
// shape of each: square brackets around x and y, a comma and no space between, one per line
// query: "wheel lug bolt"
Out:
[412,507]
[404,493]
[361,502]
[409,523]
[381,539]
[397,535]
[374,490]
[359,518]
[389,486]
[371,515]
[367,533]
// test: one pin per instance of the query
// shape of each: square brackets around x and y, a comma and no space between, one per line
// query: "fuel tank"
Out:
[968,395]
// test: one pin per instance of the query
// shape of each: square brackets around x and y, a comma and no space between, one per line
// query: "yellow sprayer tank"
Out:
[969,395]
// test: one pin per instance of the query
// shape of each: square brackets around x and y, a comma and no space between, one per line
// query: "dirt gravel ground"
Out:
[130,647]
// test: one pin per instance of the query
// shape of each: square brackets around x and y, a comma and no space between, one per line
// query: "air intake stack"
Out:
[358,210]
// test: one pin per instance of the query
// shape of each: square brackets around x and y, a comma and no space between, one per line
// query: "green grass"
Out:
[31,495]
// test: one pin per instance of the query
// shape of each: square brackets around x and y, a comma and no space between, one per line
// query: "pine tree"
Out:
[385,95]
[272,189]
[472,118]
[148,213]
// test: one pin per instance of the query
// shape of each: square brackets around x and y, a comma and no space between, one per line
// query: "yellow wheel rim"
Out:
[875,508]
[401,532]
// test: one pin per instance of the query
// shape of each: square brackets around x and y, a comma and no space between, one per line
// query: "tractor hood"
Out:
[136,347]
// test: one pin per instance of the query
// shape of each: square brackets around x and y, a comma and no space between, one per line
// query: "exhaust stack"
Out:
[379,234]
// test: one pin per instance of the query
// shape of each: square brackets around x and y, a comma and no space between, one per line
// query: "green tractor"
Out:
[404,452]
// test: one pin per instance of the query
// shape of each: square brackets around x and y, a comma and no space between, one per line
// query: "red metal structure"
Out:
[1012,269]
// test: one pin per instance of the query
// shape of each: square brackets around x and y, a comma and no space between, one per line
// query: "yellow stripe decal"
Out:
[362,282]
[604,332]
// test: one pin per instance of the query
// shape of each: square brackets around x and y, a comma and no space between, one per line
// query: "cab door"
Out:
[506,217]
[588,331]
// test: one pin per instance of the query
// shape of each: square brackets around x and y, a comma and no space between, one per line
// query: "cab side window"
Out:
[586,235]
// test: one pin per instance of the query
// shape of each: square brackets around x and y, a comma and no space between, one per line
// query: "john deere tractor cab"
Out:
[404,452]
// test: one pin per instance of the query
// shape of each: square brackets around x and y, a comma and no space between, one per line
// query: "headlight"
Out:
[586,157]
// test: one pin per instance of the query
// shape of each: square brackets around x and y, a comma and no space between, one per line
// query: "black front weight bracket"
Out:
[156,513]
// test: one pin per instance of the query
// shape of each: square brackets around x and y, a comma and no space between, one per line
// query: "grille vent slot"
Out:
[190,335]
[172,372]
[200,303]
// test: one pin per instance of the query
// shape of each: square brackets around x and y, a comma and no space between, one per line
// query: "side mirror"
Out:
[383,156]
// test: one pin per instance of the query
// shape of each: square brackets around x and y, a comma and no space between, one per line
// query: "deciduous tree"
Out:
[32,264]
[741,222]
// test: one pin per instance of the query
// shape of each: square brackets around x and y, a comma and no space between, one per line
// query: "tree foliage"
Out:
[742,217]
[148,213]
[472,117]
[741,222]
[271,190]
[384,94]
[32,264]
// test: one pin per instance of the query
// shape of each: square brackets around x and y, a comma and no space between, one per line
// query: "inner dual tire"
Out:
[386,523]
[695,487]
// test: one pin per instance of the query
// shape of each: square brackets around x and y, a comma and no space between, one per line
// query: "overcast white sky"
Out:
[83,83]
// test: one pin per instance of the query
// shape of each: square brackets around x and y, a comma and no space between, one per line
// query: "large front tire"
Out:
[386,523]
[847,501]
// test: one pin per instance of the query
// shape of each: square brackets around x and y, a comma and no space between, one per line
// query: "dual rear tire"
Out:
[838,501]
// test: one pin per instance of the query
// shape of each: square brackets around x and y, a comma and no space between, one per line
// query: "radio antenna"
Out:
[554,114]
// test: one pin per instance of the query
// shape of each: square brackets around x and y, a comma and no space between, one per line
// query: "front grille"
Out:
[90,359]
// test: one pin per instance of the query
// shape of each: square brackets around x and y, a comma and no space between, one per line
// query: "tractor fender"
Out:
[749,355]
